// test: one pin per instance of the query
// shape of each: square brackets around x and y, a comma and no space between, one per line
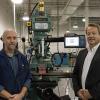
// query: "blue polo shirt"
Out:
[14,63]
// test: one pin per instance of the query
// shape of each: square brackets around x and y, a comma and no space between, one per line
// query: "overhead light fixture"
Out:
[83,19]
[17,1]
[67,31]
[75,26]
[25,18]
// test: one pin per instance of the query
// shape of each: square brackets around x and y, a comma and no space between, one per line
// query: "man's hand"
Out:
[87,94]
[5,94]
[20,95]
[84,94]
[81,94]
[16,97]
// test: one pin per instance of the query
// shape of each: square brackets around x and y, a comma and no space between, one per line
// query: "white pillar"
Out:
[86,12]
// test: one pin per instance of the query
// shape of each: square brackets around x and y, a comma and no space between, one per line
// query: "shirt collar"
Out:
[94,48]
[15,53]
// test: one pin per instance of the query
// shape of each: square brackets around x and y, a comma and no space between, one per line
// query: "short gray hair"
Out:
[7,31]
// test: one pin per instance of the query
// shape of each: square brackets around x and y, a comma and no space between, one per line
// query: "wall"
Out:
[6,16]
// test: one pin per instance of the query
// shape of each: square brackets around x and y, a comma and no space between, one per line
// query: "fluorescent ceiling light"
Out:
[83,19]
[17,1]
[25,18]
[75,26]
[67,31]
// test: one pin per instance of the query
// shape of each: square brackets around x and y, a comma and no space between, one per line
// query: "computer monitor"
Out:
[74,41]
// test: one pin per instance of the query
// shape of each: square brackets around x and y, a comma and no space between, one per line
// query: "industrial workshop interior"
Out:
[50,34]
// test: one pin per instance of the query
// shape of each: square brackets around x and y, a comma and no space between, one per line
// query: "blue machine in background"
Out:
[59,59]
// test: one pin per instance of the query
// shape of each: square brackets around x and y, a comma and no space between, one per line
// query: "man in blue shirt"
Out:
[15,77]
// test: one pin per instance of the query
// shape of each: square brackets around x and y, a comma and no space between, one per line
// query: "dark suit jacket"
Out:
[93,77]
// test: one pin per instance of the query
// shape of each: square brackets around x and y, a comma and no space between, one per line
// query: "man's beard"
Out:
[12,47]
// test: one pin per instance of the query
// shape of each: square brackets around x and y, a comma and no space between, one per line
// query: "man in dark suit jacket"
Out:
[86,73]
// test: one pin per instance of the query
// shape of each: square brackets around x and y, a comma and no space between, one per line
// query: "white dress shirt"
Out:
[87,62]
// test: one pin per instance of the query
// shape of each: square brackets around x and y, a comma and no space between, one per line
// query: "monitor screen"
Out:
[74,41]
[41,26]
[71,41]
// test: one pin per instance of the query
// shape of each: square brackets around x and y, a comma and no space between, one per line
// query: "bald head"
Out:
[7,32]
[9,39]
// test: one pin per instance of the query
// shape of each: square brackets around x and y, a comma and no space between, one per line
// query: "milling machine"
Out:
[45,78]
